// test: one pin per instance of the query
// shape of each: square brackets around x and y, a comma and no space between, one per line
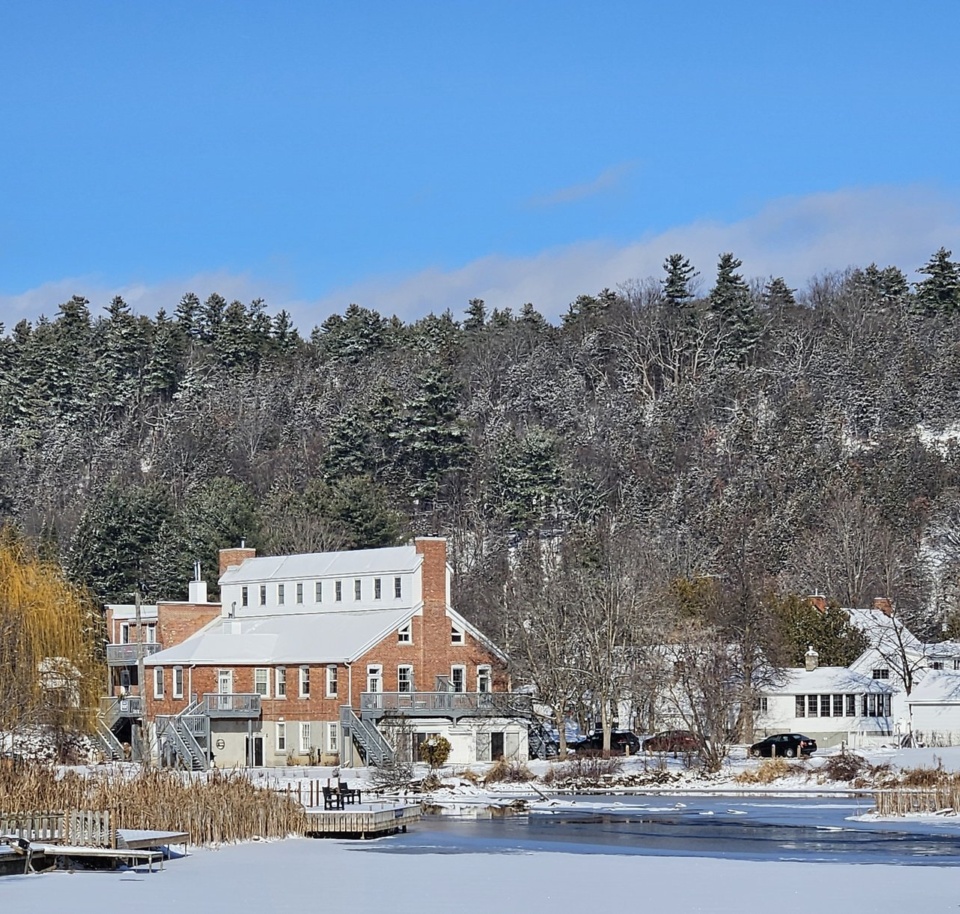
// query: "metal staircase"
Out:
[184,738]
[111,746]
[376,750]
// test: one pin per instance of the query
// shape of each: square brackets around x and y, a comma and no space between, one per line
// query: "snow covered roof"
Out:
[937,687]
[884,630]
[825,679]
[129,610]
[327,637]
[312,565]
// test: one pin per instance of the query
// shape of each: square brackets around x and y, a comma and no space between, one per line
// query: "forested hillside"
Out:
[769,439]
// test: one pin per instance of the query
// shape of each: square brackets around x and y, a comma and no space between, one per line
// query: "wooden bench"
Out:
[332,799]
[349,794]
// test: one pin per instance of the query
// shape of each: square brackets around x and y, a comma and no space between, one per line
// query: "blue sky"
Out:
[409,155]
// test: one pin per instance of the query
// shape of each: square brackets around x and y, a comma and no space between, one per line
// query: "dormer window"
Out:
[397,587]
[338,591]
[404,634]
[280,592]
[356,589]
[456,635]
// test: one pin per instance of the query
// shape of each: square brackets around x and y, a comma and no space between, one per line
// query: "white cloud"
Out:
[608,179]
[796,238]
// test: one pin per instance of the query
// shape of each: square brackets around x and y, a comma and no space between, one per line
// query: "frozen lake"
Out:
[806,829]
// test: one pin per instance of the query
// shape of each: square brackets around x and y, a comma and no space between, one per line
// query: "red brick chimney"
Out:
[884,604]
[235,556]
[434,570]
[818,601]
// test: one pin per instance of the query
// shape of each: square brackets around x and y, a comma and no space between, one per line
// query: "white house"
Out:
[934,709]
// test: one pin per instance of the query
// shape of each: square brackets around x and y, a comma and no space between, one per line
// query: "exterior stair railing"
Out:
[376,750]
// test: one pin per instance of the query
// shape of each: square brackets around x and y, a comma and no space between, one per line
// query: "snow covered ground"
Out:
[305,875]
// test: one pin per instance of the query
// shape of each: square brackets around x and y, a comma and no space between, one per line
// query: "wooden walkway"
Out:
[365,820]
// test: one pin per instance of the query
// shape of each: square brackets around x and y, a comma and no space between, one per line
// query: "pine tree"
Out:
[939,293]
[733,312]
[476,315]
[677,291]
[777,294]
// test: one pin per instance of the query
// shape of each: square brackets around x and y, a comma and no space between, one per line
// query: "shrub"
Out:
[768,771]
[508,773]
[435,750]
[583,769]
[844,767]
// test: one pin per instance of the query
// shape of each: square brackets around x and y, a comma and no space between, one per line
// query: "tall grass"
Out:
[214,808]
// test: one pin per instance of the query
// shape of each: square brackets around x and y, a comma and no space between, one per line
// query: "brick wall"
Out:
[178,621]
[235,556]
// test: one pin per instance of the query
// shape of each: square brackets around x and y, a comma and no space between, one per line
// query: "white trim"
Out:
[303,680]
[281,736]
[280,682]
[331,680]
[158,682]
[177,684]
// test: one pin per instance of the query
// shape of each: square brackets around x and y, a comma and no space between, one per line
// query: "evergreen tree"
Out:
[476,315]
[939,293]
[163,366]
[188,316]
[677,290]
[733,312]
[777,294]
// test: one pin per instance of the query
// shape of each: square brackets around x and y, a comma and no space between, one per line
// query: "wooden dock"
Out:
[364,820]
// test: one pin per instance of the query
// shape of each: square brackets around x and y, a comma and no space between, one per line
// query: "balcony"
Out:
[231,704]
[374,705]
[112,709]
[127,654]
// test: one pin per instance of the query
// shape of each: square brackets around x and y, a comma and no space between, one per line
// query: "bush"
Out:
[583,769]
[504,772]
[768,771]
[435,750]
[844,767]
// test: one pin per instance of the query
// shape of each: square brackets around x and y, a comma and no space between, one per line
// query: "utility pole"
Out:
[140,668]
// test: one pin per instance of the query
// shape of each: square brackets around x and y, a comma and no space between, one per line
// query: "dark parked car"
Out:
[622,742]
[784,745]
[673,741]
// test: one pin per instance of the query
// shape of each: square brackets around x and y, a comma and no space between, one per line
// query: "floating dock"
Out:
[362,820]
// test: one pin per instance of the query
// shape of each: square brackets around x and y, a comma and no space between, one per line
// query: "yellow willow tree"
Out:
[50,644]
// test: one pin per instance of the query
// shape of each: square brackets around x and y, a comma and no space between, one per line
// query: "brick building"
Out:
[344,657]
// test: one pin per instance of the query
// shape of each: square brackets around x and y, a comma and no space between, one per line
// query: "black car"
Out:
[784,745]
[622,742]
[674,741]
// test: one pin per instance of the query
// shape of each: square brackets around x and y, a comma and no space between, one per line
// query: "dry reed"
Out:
[214,808]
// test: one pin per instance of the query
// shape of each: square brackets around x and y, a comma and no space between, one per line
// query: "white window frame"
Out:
[405,678]
[158,682]
[375,675]
[178,682]
[332,682]
[485,677]
[281,594]
[456,634]
[318,592]
[458,667]
[398,588]
[263,594]
[305,737]
[303,678]
[881,673]
[261,680]
[244,595]
[281,736]
[299,591]
[338,591]
[405,634]
[280,682]
[333,737]
[377,588]
[357,588]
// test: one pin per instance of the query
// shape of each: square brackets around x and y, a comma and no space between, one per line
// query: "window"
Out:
[281,737]
[936,665]
[403,634]
[456,635]
[760,704]
[956,664]
[263,594]
[261,681]
[458,677]
[318,592]
[158,682]
[244,596]
[178,682]
[299,591]
[125,633]
[280,589]
[813,702]
[851,706]
[305,737]
[356,589]
[332,681]
[397,587]
[338,591]
[304,682]
[280,679]
[377,589]
[405,678]
[484,678]
[824,705]
[374,678]
[838,706]
[801,710]
[881,673]
[333,737]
